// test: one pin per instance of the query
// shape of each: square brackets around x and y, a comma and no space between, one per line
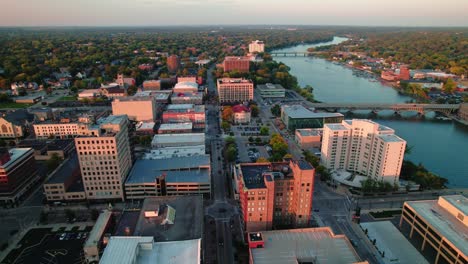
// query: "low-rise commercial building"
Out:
[65,183]
[308,245]
[257,46]
[439,226]
[14,124]
[297,116]
[53,129]
[177,140]
[308,138]
[143,250]
[270,90]
[175,152]
[18,174]
[177,128]
[185,87]
[45,149]
[187,98]
[137,108]
[234,90]
[152,85]
[183,113]
[94,244]
[274,194]
[145,128]
[171,176]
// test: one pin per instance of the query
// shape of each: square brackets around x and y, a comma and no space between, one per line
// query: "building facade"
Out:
[137,108]
[297,116]
[105,158]
[270,90]
[463,111]
[308,138]
[274,194]
[183,113]
[239,64]
[364,147]
[14,124]
[234,90]
[256,46]
[59,130]
[439,226]
[242,114]
[18,174]
[173,63]
[152,85]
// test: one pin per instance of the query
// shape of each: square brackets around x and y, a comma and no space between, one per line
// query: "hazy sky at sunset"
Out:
[211,12]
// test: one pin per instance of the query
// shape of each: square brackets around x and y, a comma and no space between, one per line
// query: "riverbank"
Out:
[438,145]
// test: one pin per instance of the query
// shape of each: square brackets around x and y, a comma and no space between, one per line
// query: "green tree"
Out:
[449,86]
[231,153]
[254,110]
[278,145]
[251,139]
[261,160]
[264,131]
[53,162]
[276,110]
[230,140]
[132,89]
[225,126]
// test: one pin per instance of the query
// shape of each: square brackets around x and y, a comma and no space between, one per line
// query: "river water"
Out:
[442,146]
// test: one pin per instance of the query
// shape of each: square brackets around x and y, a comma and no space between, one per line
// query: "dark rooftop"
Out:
[304,165]
[18,117]
[188,221]
[68,168]
[253,175]
[47,145]
[255,236]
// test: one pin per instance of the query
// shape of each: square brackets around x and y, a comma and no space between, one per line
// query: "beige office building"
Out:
[137,108]
[59,130]
[235,90]
[440,226]
[364,147]
[256,46]
[105,158]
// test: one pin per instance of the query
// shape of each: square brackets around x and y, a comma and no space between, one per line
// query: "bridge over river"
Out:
[420,108]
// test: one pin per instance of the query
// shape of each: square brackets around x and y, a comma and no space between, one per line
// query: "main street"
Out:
[221,210]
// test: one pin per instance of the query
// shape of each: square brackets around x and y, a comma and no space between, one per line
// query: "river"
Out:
[442,146]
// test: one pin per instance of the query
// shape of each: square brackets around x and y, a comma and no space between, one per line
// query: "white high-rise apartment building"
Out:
[256,46]
[105,158]
[364,147]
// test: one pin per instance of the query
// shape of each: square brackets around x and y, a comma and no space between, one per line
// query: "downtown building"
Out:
[256,46]
[173,63]
[105,158]
[235,90]
[18,174]
[364,147]
[137,108]
[185,113]
[274,194]
[239,64]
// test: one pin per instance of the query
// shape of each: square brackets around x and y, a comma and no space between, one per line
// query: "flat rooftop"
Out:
[252,175]
[98,229]
[336,127]
[143,250]
[379,128]
[187,95]
[15,154]
[195,168]
[176,126]
[446,224]
[390,138]
[389,239]
[271,86]
[65,170]
[180,106]
[145,125]
[188,221]
[112,119]
[311,245]
[178,138]
[174,152]
[307,132]
[233,80]
[183,85]
[304,165]
[299,111]
[133,98]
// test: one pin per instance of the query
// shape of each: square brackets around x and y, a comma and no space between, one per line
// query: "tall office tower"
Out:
[235,90]
[105,158]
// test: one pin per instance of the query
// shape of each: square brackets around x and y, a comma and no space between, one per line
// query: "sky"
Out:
[233,12]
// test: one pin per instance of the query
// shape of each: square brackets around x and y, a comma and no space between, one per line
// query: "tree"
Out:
[276,110]
[261,160]
[225,126]
[449,86]
[254,110]
[227,114]
[279,146]
[230,140]
[231,153]
[288,156]
[53,162]
[258,140]
[264,131]
[132,89]
[251,139]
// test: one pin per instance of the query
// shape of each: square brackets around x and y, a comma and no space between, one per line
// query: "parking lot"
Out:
[47,246]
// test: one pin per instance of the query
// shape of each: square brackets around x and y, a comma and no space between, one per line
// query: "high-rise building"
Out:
[105,158]
[274,194]
[137,108]
[234,90]
[440,227]
[256,46]
[240,64]
[173,63]
[18,173]
[364,147]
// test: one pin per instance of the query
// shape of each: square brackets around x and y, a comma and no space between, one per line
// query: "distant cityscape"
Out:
[193,156]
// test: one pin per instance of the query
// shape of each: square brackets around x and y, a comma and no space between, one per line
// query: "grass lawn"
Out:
[13,105]
[385,214]
[67,98]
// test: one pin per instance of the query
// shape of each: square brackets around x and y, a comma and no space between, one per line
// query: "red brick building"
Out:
[240,64]
[183,113]
[275,194]
[173,63]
